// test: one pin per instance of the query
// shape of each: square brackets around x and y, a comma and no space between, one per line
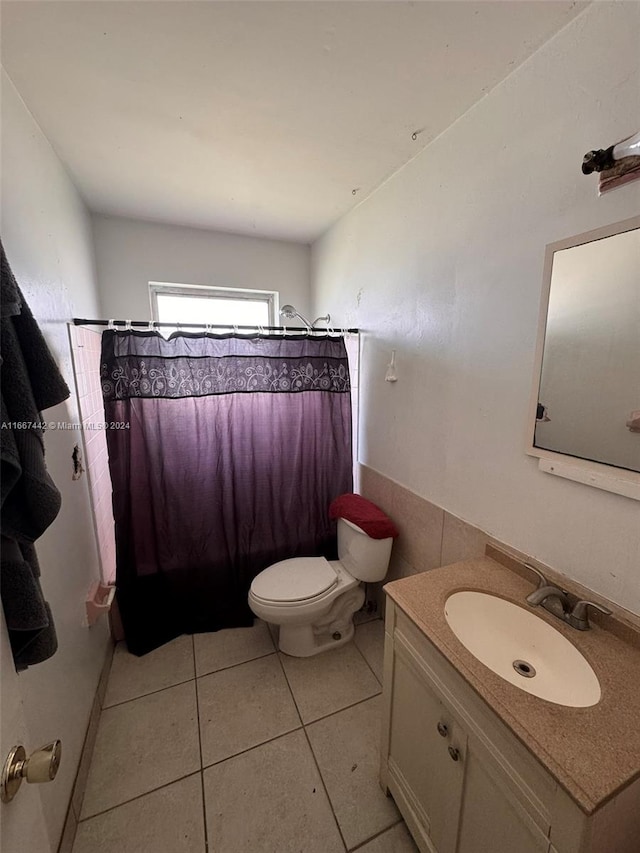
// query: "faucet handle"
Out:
[542,581]
[579,615]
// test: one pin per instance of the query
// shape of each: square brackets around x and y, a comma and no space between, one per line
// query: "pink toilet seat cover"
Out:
[365,515]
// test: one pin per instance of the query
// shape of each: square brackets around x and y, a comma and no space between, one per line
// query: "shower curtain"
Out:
[225,452]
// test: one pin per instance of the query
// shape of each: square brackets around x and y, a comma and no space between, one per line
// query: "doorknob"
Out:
[41,766]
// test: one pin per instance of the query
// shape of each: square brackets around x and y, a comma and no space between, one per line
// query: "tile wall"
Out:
[85,346]
[429,535]
[352,344]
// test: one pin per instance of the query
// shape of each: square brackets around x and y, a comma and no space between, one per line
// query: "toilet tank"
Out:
[365,558]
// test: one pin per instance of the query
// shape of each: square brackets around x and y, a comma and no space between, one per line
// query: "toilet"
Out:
[313,599]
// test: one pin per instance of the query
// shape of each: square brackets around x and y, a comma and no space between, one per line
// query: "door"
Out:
[22,824]
[492,818]
[426,751]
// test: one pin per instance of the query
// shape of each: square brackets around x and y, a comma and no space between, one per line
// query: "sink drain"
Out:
[523,668]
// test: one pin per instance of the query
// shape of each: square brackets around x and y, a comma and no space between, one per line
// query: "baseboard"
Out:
[79,785]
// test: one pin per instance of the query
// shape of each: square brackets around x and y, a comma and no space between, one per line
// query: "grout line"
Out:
[204,803]
[302,726]
[252,747]
[197,709]
[238,663]
[340,710]
[364,658]
[362,844]
[150,693]
[313,755]
[315,761]
[139,796]
[186,680]
[284,734]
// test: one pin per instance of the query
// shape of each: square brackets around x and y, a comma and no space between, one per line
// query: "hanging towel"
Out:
[365,515]
[30,382]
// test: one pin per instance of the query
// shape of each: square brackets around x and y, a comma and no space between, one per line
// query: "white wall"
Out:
[130,254]
[444,264]
[46,233]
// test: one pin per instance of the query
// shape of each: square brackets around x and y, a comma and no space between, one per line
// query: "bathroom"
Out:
[432,246]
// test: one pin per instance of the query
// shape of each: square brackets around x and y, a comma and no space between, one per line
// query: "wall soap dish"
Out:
[99,600]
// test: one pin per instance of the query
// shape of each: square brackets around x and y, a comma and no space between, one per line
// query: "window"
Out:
[221,306]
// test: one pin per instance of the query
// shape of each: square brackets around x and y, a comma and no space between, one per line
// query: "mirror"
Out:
[585,408]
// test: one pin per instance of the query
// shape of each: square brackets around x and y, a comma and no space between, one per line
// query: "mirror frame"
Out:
[597,474]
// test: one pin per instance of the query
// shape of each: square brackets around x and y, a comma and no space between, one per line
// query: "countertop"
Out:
[593,753]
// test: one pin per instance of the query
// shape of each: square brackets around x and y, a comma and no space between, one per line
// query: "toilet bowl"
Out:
[312,599]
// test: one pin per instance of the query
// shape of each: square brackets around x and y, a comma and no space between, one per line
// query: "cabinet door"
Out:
[426,754]
[492,819]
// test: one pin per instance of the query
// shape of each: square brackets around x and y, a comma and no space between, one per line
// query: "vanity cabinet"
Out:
[461,779]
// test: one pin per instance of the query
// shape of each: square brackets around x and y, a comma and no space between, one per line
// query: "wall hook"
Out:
[391,375]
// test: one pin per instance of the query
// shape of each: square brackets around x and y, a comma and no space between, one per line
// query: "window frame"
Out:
[271,297]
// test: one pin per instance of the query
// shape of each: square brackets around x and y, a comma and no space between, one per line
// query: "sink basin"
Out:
[521,648]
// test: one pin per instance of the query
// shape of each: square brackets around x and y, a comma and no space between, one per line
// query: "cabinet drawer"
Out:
[532,784]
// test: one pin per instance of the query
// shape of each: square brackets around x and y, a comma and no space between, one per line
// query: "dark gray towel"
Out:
[31,382]
[29,619]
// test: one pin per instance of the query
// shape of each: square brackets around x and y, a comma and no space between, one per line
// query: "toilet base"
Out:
[333,629]
[299,641]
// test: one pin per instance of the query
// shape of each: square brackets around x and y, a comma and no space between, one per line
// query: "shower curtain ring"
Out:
[112,325]
[235,329]
[128,325]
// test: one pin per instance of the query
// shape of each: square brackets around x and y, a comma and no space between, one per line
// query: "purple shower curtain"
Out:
[225,453]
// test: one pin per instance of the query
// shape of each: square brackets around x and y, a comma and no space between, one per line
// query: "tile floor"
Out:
[219,743]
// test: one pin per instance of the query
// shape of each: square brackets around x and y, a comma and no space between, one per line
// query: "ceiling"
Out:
[264,118]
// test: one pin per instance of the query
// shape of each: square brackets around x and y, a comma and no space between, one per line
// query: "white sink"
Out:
[521,648]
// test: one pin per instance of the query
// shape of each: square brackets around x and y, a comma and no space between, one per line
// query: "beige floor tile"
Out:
[142,745]
[395,840]
[221,649]
[243,706]
[346,748]
[329,681]
[133,676]
[370,640]
[270,800]
[169,820]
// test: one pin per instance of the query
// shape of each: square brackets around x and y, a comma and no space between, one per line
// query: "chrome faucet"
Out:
[551,597]
[578,618]
[557,602]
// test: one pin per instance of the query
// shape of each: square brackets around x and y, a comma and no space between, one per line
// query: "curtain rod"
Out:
[147,324]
